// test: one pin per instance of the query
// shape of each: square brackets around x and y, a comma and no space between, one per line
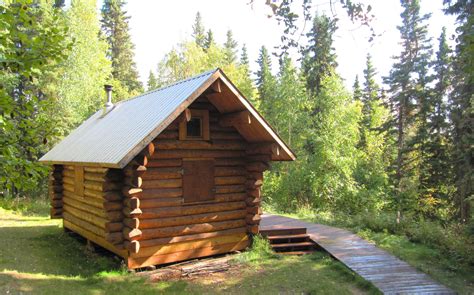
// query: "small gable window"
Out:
[194,127]
[197,128]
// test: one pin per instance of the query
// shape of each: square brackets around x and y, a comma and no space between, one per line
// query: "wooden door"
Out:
[198,180]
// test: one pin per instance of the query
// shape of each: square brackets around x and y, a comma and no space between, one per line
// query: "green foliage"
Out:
[32,44]
[86,68]
[259,252]
[375,144]
[120,51]
[189,59]
[332,144]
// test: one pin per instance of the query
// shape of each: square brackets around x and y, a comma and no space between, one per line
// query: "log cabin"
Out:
[170,175]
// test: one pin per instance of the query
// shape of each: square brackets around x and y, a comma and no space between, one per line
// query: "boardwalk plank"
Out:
[388,273]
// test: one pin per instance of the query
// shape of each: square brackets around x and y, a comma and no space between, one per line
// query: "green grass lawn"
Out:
[38,257]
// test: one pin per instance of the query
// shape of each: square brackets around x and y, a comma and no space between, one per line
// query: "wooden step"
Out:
[292,245]
[287,237]
[283,231]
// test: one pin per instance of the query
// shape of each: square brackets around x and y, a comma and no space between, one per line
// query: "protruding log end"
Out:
[129,233]
[131,191]
[132,246]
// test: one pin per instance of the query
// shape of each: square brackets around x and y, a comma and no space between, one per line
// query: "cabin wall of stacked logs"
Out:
[55,187]
[96,207]
[155,213]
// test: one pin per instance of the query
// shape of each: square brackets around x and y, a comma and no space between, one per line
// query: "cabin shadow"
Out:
[51,251]
[12,282]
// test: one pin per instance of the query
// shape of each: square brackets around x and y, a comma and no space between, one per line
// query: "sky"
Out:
[158,26]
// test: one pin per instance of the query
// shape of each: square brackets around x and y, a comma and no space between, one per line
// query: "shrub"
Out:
[259,252]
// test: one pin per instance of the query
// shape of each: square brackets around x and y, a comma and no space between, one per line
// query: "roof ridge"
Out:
[170,85]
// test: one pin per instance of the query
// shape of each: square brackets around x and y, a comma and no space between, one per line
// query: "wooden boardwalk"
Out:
[388,273]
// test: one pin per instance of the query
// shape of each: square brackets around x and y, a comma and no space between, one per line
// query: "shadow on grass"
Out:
[20,219]
[49,250]
[21,283]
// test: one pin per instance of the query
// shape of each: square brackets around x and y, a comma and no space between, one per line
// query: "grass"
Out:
[38,257]
[448,269]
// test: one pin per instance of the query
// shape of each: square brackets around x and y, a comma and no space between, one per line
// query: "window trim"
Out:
[204,116]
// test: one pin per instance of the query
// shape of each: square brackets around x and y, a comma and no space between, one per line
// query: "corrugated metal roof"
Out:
[108,140]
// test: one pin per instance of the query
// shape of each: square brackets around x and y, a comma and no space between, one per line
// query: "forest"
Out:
[394,157]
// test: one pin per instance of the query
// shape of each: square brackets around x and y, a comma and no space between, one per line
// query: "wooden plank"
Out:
[102,186]
[191,209]
[201,144]
[225,189]
[182,230]
[93,219]
[110,215]
[161,183]
[163,173]
[236,118]
[171,240]
[230,171]
[223,135]
[161,193]
[237,161]
[193,219]
[164,163]
[190,245]
[173,154]
[230,180]
[185,255]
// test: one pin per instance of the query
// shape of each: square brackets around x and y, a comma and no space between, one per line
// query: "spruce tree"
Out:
[244,57]
[371,172]
[246,86]
[116,30]
[199,32]
[230,47]
[318,57]
[461,110]
[437,162]
[209,40]
[356,90]
[405,96]
[371,89]
[152,82]
[265,82]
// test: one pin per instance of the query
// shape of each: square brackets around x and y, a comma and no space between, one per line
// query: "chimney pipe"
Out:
[108,90]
